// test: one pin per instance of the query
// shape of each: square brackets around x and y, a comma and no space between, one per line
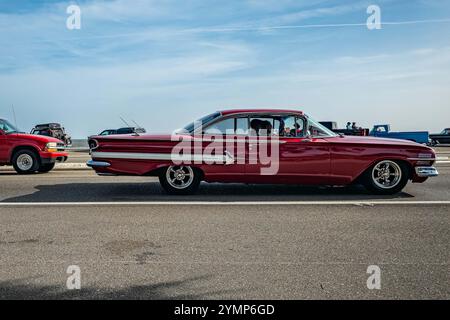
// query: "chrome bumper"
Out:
[102,164]
[426,172]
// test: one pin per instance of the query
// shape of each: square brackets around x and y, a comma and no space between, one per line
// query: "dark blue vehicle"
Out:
[384,131]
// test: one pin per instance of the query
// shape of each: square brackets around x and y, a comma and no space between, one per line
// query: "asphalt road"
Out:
[239,246]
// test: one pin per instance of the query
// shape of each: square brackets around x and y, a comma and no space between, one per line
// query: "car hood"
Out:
[34,137]
[375,141]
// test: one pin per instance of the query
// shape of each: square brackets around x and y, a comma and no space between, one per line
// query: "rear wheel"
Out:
[386,177]
[46,167]
[25,162]
[180,180]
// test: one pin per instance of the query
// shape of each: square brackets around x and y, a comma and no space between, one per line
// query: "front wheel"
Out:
[25,162]
[386,177]
[180,180]
[44,168]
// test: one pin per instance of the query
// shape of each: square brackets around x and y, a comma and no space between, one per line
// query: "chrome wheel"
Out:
[180,177]
[25,162]
[387,174]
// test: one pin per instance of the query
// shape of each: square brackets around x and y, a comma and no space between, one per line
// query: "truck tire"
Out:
[386,177]
[25,162]
[44,168]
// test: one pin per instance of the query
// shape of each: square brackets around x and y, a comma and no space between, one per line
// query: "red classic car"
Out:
[263,146]
[29,153]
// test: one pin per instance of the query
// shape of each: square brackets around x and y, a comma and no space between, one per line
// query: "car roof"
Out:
[48,124]
[238,111]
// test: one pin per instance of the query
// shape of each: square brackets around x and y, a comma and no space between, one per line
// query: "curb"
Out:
[72,166]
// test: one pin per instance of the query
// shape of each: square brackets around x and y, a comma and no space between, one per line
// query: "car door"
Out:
[225,137]
[295,156]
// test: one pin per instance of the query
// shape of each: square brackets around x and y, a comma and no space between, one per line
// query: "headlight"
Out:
[51,147]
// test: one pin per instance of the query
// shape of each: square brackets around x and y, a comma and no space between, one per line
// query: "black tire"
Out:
[44,168]
[188,185]
[25,162]
[369,181]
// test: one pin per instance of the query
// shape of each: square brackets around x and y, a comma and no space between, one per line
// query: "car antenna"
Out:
[14,115]
[137,124]
[137,134]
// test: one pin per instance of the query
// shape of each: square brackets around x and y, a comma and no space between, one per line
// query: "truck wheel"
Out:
[25,162]
[386,177]
[180,180]
[44,168]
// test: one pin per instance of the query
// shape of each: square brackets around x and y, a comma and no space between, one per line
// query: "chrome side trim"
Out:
[226,158]
[426,172]
[242,140]
[92,163]
[422,159]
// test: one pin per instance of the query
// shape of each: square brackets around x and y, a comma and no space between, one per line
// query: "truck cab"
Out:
[384,131]
[29,153]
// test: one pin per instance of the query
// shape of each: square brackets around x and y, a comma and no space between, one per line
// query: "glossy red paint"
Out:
[9,143]
[334,160]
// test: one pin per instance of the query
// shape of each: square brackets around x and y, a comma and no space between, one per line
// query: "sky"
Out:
[164,63]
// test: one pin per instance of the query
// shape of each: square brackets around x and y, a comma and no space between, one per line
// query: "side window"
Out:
[261,126]
[316,131]
[225,127]
[291,126]
[242,126]
[3,126]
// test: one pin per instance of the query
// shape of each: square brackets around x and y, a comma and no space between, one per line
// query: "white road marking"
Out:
[221,203]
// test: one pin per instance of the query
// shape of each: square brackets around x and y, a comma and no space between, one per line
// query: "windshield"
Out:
[201,122]
[316,130]
[7,127]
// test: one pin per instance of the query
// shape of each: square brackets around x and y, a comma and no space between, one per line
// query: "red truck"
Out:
[29,153]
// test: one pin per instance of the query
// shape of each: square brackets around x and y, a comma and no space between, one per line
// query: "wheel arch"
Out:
[24,147]
[395,159]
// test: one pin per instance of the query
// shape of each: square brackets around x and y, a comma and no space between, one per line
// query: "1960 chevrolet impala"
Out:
[263,146]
